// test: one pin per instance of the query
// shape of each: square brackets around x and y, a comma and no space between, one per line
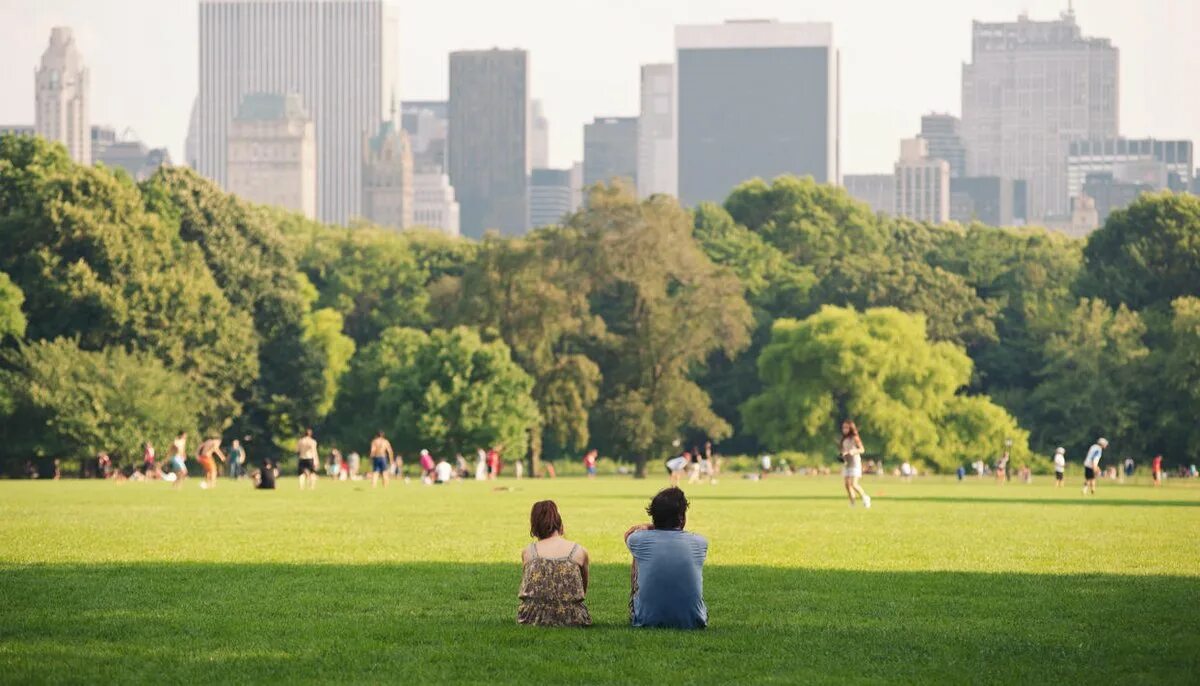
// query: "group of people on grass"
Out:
[666,578]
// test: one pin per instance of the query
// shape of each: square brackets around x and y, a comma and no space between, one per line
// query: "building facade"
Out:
[549,196]
[139,161]
[1031,88]
[610,150]
[991,200]
[922,184]
[658,148]
[272,153]
[943,134]
[756,99]
[1161,164]
[339,56]
[388,178]
[426,123]
[434,205]
[877,190]
[61,96]
[488,139]
[539,137]
[1110,193]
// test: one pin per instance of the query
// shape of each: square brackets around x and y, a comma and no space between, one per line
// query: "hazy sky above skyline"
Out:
[899,59]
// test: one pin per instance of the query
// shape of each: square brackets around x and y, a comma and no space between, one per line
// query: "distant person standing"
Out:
[1156,470]
[382,457]
[493,462]
[481,468]
[851,447]
[1060,466]
[178,459]
[306,460]
[1129,466]
[352,464]
[204,455]
[589,463]
[1002,469]
[694,466]
[765,462]
[148,467]
[237,460]
[427,466]
[1091,465]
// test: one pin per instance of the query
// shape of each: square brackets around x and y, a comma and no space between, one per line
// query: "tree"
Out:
[876,367]
[70,402]
[666,307]
[323,331]
[446,391]
[1146,255]
[12,320]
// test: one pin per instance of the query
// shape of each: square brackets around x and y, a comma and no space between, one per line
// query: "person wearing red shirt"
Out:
[1156,470]
[493,463]
[589,461]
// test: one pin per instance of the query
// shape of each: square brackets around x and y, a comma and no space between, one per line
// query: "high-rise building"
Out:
[658,149]
[434,205]
[272,154]
[943,133]
[488,151]
[755,99]
[610,150]
[576,186]
[388,177]
[987,199]
[922,184]
[1031,88]
[61,96]
[539,138]
[129,154]
[426,123]
[339,56]
[877,190]
[1161,164]
[549,196]
[1110,193]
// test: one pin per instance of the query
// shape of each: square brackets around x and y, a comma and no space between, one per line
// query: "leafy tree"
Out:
[1147,254]
[877,367]
[94,264]
[666,308]
[1173,404]
[323,331]
[12,320]
[447,391]
[70,402]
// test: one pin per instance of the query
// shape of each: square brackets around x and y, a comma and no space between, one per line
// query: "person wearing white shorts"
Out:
[676,467]
[852,449]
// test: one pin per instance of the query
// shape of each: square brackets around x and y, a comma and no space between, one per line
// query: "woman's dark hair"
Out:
[668,509]
[544,520]
[853,428]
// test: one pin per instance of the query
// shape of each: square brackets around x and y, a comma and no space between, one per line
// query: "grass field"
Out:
[939,581]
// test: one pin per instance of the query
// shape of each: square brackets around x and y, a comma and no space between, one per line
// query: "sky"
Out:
[899,59]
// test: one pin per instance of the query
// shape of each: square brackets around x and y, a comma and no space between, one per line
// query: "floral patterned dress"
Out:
[552,591]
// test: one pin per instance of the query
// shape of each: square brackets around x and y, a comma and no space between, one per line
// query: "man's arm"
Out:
[635,528]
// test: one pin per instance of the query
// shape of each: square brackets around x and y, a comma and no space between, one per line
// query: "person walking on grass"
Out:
[851,447]
[1091,465]
[237,460]
[1060,466]
[554,578]
[666,577]
[382,457]
[204,455]
[178,459]
[306,460]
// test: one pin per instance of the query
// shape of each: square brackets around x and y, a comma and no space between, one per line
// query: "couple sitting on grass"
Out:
[667,587]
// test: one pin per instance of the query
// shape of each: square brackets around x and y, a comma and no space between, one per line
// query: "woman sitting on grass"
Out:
[555,576]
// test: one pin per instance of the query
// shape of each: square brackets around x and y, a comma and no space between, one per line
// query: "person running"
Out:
[589,462]
[1091,465]
[1156,470]
[237,460]
[178,459]
[204,455]
[851,447]
[1060,466]
[307,456]
[382,457]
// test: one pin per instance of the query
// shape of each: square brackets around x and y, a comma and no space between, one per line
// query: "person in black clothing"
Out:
[265,477]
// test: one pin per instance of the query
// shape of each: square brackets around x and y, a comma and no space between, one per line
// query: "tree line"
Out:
[132,311]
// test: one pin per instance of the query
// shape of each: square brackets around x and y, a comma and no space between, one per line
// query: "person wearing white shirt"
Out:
[1060,466]
[1091,465]
[443,472]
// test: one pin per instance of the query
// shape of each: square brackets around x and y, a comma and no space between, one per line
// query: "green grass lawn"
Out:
[939,581]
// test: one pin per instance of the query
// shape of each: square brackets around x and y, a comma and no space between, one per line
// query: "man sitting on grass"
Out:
[667,576]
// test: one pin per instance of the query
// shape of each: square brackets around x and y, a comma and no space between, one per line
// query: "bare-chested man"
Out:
[381,459]
[178,458]
[204,455]
[306,451]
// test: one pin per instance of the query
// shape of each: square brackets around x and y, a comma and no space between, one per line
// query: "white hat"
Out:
[1060,450]
[1103,441]
[426,452]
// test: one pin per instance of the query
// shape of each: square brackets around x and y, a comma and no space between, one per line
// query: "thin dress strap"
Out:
[571,555]
[533,551]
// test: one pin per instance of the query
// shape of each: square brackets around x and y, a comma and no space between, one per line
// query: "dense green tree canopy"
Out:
[12,319]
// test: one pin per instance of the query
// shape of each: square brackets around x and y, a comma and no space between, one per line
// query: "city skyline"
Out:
[888,79]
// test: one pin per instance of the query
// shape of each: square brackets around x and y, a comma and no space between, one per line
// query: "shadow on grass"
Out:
[453,622]
[885,496]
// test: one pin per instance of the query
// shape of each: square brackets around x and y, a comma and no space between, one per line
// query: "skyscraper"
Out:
[539,138]
[1031,88]
[434,205]
[943,133]
[922,184]
[549,196]
[488,139]
[755,99]
[1159,163]
[61,95]
[272,155]
[388,177]
[610,150]
[339,56]
[658,151]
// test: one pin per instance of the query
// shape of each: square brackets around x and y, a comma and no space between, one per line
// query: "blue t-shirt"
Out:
[670,579]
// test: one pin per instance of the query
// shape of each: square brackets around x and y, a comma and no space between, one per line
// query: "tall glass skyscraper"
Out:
[755,99]
[339,56]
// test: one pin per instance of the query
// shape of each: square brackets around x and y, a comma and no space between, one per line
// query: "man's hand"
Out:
[638,527]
